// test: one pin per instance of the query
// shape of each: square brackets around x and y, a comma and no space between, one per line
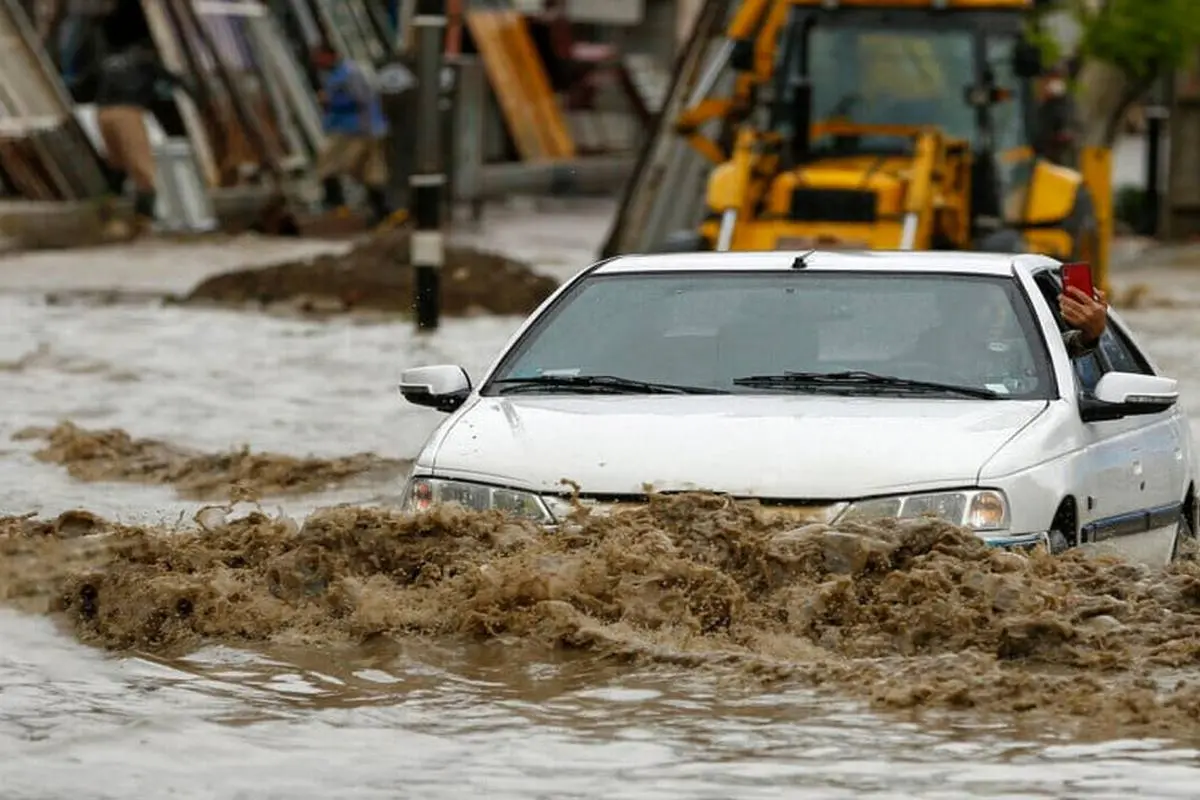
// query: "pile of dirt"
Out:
[378,276]
[906,614]
[114,455]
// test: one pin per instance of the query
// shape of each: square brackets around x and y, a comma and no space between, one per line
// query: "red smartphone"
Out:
[1078,275]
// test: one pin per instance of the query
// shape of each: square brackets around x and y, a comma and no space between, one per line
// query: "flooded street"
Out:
[337,704]
[211,380]
[416,721]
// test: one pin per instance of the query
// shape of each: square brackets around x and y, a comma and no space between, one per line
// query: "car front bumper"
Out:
[1016,541]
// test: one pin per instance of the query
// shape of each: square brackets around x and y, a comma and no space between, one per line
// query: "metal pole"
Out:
[470,112]
[429,178]
[1157,112]
[446,104]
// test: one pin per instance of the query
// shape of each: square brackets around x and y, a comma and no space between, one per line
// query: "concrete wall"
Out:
[1181,212]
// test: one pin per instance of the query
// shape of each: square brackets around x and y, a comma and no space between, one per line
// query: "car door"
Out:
[1119,471]
[1116,488]
[1160,474]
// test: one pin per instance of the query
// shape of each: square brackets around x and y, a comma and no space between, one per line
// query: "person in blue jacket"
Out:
[355,132]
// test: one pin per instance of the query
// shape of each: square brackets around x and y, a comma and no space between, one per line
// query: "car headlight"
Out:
[980,510]
[423,493]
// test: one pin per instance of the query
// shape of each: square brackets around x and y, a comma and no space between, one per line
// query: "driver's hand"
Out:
[1088,314]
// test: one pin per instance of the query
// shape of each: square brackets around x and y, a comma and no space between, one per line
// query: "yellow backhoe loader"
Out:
[890,124]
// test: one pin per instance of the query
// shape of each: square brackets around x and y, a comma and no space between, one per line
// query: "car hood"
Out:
[798,447]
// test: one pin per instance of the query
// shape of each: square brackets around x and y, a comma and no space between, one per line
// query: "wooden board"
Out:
[537,83]
[519,82]
[484,29]
[20,166]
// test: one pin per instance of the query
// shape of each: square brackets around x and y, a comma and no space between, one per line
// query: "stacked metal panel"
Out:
[666,192]
[266,80]
[355,27]
[293,96]
[183,203]
[361,29]
[44,154]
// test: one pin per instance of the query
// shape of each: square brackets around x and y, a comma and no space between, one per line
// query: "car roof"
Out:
[923,261]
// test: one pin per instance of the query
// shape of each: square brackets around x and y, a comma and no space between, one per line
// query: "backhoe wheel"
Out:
[683,242]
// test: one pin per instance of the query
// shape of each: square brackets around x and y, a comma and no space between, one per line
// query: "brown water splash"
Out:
[909,615]
[38,556]
[114,455]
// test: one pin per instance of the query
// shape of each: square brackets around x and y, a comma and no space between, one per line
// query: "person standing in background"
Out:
[1057,118]
[130,80]
[355,130]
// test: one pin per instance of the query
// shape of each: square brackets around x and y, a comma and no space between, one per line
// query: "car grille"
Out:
[833,205]
[796,513]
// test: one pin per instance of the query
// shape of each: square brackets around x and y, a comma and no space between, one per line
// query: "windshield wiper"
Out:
[600,384]
[859,380]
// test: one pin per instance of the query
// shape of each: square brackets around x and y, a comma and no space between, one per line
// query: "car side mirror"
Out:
[1126,394]
[443,386]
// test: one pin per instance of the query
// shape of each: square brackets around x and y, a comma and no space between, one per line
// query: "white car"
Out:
[828,385]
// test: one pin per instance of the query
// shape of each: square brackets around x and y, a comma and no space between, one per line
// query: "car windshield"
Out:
[748,332]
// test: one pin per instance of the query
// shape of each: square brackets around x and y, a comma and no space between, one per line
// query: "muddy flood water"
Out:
[318,644]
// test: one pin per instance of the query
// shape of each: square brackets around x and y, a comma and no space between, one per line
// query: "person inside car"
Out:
[980,346]
[1087,318]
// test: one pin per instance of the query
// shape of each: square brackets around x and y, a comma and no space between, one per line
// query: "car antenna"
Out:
[802,260]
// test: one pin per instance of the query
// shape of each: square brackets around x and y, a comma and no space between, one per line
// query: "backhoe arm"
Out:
[920,200]
[743,50]
[737,186]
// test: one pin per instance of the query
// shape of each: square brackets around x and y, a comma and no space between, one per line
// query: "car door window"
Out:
[1089,368]
[1122,355]
[1050,289]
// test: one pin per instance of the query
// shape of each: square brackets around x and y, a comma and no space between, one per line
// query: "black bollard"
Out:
[429,177]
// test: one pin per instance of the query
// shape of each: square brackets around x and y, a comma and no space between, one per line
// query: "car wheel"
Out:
[1184,548]
[1059,542]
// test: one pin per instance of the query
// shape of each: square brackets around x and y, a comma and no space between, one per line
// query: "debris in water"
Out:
[377,276]
[906,614]
[114,455]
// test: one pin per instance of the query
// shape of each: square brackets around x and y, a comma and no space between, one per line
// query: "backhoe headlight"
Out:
[423,493]
[980,510]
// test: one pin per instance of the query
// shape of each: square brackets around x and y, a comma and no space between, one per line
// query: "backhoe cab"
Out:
[891,125]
